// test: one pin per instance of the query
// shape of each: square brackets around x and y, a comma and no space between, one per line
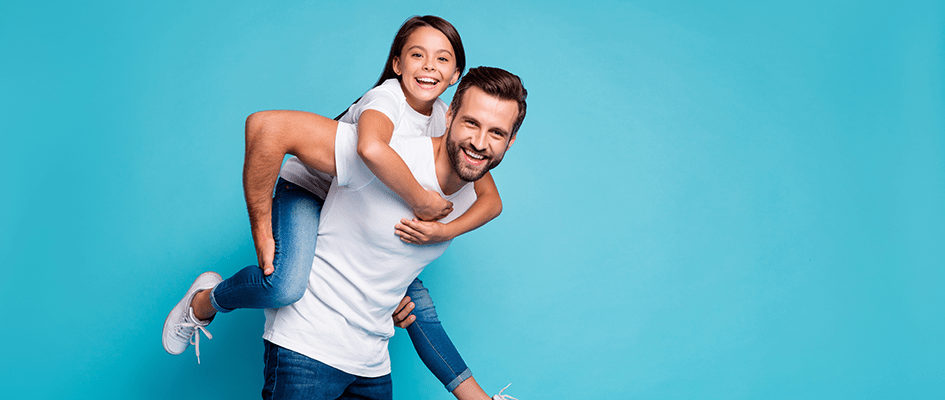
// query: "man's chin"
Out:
[471,175]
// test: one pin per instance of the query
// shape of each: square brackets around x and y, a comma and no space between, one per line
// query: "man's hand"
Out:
[265,252]
[432,207]
[402,317]
[422,232]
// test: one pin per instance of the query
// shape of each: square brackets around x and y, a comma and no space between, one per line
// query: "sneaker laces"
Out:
[501,396]
[191,330]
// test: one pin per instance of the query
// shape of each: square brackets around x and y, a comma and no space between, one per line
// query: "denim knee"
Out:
[285,292]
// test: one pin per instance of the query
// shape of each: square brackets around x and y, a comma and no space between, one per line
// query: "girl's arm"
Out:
[374,133]
[488,205]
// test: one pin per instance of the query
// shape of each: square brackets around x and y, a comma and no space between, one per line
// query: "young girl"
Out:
[426,57]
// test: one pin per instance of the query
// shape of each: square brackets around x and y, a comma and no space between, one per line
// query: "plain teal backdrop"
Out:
[726,200]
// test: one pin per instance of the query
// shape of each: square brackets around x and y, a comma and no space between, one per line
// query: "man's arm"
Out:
[270,135]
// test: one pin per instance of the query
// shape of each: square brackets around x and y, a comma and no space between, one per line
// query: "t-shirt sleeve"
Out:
[379,99]
[351,170]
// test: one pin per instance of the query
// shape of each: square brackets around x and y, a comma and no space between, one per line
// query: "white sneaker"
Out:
[181,326]
[501,396]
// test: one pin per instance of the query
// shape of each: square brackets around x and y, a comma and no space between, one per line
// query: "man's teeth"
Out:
[473,155]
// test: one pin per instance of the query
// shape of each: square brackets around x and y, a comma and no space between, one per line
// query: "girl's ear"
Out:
[455,77]
[395,64]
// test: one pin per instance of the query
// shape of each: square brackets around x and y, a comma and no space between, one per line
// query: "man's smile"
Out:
[473,157]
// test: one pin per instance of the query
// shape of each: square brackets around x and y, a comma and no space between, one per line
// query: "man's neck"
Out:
[449,181]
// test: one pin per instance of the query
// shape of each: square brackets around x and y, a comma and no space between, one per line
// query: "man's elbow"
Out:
[262,130]
[254,126]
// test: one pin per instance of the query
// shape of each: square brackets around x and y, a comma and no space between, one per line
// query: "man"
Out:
[333,342]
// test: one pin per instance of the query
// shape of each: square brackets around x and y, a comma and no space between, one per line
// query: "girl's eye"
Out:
[416,55]
[444,59]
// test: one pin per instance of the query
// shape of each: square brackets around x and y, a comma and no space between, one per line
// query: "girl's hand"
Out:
[432,207]
[422,232]
[402,316]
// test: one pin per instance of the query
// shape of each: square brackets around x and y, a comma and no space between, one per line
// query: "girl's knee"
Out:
[285,293]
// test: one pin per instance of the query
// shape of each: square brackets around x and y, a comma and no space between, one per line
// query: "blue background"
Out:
[707,199]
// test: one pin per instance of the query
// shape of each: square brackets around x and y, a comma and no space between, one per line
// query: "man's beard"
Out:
[461,167]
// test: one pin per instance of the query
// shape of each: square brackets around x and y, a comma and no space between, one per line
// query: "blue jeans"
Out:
[290,375]
[295,214]
[434,347]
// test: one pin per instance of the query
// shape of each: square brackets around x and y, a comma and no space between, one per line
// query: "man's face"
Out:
[479,133]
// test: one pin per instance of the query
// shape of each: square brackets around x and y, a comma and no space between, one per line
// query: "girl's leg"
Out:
[294,223]
[435,348]
[295,214]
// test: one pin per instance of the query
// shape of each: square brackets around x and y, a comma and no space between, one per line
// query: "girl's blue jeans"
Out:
[295,214]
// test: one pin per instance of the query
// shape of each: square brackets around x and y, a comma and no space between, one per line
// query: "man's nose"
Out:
[479,141]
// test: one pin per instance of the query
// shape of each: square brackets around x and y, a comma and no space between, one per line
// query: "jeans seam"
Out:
[275,372]
[437,351]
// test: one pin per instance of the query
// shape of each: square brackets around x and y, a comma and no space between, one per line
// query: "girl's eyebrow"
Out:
[417,46]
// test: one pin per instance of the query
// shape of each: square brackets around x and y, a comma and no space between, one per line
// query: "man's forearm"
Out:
[270,135]
[260,169]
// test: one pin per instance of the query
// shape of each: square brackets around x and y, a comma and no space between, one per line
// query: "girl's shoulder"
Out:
[387,98]
[389,90]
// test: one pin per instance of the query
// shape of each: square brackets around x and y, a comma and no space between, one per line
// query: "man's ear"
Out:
[510,142]
[395,65]
[449,116]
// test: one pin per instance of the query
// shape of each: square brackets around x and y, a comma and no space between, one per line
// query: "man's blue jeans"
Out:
[290,375]
[295,214]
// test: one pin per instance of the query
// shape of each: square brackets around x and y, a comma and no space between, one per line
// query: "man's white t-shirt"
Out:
[361,268]
[389,99]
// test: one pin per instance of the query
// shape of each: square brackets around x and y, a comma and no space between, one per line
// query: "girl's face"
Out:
[427,67]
